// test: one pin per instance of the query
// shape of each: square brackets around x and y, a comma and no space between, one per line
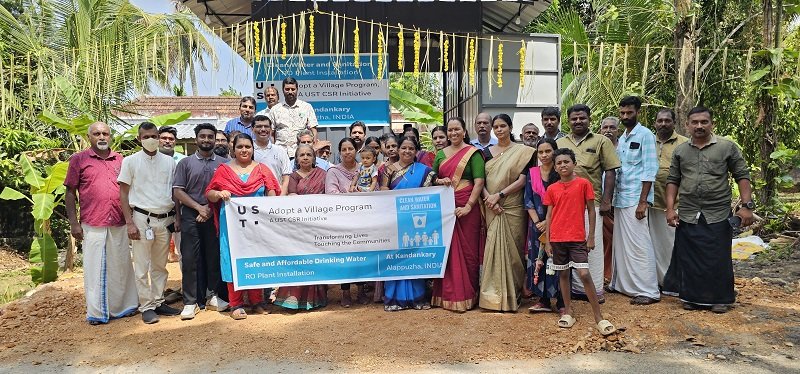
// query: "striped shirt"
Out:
[637,153]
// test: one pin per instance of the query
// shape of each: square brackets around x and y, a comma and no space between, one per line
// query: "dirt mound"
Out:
[50,327]
[10,260]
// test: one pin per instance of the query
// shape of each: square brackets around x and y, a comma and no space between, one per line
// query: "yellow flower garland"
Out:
[381,48]
[522,65]
[356,48]
[500,65]
[417,44]
[257,41]
[283,40]
[446,54]
[311,37]
[400,64]
[472,62]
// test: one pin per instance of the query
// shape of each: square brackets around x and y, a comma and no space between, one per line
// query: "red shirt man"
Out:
[108,272]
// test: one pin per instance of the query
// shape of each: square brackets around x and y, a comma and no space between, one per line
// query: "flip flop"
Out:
[605,327]
[539,307]
[566,321]
[238,314]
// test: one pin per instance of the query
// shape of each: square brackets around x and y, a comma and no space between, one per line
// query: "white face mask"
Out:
[150,145]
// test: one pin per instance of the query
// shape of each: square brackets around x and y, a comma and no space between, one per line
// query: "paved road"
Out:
[651,363]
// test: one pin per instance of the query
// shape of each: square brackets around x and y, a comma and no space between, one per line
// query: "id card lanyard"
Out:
[148,232]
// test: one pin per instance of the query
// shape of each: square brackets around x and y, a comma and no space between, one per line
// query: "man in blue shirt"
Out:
[634,255]
[483,128]
[243,123]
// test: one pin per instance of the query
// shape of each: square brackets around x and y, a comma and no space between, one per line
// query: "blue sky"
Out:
[232,71]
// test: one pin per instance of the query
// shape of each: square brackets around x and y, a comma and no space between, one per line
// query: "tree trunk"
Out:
[766,112]
[685,42]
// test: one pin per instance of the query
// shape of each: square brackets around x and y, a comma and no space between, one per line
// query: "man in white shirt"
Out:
[145,185]
[291,117]
[269,154]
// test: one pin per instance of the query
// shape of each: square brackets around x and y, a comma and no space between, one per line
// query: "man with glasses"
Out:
[167,136]
[243,123]
[265,152]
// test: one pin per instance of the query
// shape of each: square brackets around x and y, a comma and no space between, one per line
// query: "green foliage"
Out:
[170,119]
[67,57]
[229,92]
[414,108]
[427,86]
[12,143]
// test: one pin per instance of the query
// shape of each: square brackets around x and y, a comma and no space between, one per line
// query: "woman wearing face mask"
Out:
[338,180]
[406,173]
[537,179]
[241,176]
[307,179]
[460,165]
[506,222]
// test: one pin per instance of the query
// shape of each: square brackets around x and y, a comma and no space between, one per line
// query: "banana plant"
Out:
[46,188]
[46,193]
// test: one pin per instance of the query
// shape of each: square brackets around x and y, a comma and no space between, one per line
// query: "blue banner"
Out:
[339,92]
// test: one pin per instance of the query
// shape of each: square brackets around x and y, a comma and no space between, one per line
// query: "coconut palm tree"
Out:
[604,49]
[90,56]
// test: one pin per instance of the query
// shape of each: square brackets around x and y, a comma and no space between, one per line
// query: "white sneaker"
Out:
[217,304]
[189,311]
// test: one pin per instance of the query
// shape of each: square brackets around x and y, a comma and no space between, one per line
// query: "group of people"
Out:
[528,215]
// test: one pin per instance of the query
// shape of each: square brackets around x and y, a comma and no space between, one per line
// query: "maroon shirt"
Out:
[95,179]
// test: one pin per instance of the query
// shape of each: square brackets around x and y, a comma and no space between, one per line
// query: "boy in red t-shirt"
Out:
[567,244]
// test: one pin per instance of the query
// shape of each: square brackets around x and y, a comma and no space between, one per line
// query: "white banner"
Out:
[319,239]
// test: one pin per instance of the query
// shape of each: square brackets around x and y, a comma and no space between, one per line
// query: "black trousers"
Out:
[199,259]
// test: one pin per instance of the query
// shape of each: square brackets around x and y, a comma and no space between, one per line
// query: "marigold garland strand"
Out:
[417,45]
[356,48]
[400,57]
[500,65]
[472,62]
[311,37]
[283,40]
[381,51]
[522,53]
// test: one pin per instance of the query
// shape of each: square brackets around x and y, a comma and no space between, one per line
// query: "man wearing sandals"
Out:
[145,186]
[634,257]
[701,270]
[107,271]
[568,244]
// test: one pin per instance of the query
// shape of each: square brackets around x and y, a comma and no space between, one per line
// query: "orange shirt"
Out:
[568,201]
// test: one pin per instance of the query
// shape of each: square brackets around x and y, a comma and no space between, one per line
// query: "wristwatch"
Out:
[502,195]
[750,205]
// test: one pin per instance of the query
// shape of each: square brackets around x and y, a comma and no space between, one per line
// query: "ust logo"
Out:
[419,221]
